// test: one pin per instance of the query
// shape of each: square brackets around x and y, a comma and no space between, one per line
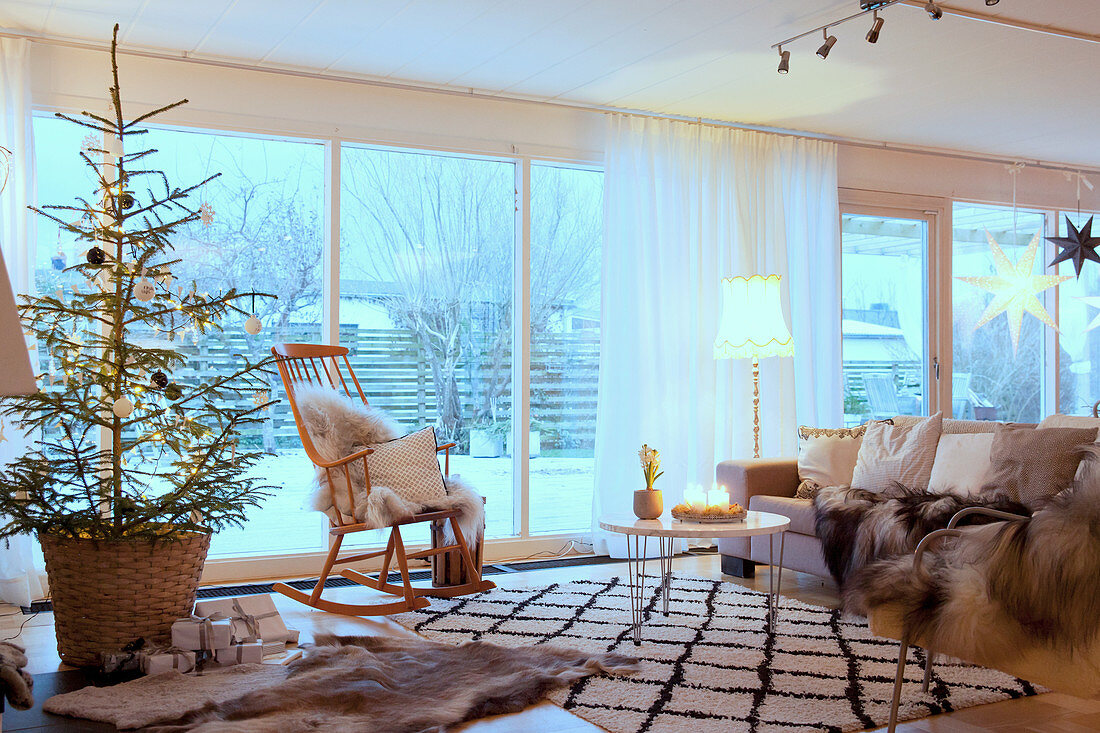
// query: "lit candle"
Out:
[695,497]
[718,497]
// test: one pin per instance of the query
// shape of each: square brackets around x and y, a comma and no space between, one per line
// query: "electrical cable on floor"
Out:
[20,631]
[565,549]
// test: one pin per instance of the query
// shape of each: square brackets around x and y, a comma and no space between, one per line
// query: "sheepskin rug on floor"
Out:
[712,664]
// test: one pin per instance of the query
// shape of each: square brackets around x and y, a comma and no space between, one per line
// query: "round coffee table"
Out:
[667,529]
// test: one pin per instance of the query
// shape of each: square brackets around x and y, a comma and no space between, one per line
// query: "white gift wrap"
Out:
[250,652]
[171,659]
[292,636]
[260,613]
[274,647]
[202,634]
[254,617]
[242,629]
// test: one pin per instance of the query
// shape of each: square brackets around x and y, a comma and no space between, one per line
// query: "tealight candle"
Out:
[718,497]
[695,497]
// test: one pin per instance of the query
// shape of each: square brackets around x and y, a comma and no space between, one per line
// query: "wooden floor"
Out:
[1051,713]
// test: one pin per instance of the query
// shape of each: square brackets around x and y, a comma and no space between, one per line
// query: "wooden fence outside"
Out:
[396,376]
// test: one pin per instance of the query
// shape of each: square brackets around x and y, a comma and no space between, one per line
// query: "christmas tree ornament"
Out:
[173,392]
[160,379]
[126,200]
[114,146]
[206,214]
[123,407]
[1014,288]
[253,325]
[144,289]
[96,256]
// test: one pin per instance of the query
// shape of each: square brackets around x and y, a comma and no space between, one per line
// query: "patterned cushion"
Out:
[826,457]
[409,467]
[1033,465]
[897,453]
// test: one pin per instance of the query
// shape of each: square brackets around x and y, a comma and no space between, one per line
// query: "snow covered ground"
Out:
[561,501]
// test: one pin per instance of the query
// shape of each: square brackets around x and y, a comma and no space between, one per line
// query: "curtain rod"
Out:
[579,106]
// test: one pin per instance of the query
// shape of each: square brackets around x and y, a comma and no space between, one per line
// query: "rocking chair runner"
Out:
[321,365]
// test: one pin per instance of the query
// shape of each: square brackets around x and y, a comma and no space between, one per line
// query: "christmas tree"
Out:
[123,450]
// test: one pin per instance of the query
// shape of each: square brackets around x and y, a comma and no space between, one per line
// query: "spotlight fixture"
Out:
[784,61]
[991,3]
[876,28]
[826,47]
[934,11]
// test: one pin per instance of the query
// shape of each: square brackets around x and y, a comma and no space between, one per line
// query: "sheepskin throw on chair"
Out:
[340,427]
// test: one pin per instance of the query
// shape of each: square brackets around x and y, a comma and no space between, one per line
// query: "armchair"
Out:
[1076,674]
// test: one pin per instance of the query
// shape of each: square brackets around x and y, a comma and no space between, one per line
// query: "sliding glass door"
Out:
[885,313]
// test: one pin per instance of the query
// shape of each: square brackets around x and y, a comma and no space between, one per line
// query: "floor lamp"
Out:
[752,327]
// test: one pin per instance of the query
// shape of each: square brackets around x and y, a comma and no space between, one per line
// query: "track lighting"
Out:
[934,11]
[876,28]
[784,61]
[826,47]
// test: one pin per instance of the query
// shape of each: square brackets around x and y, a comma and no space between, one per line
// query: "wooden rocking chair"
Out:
[321,365]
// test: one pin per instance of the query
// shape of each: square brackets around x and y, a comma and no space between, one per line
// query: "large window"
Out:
[566,236]
[425,299]
[426,279]
[884,267]
[1078,308]
[998,372]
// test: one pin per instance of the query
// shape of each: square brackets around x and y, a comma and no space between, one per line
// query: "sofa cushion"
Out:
[951,426]
[1032,465]
[826,457]
[1070,421]
[897,453]
[962,463]
[799,511]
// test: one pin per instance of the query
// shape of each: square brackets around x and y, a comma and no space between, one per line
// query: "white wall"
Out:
[65,78]
[875,169]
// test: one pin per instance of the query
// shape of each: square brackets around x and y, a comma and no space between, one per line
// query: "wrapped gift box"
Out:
[262,616]
[292,636]
[242,627]
[254,617]
[202,634]
[168,660]
[249,652]
[274,647]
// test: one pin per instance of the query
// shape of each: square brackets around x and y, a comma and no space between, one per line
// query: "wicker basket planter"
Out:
[107,593]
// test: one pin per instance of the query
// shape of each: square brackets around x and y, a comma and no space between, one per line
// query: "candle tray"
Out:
[708,518]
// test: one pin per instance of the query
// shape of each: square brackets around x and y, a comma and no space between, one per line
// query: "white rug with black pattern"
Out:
[713,664]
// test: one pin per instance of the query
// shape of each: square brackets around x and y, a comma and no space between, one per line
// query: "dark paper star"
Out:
[1077,247]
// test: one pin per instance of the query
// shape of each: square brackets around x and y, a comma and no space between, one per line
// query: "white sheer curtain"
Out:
[684,206]
[20,582]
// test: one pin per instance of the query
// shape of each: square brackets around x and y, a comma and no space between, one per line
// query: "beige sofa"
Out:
[769,485]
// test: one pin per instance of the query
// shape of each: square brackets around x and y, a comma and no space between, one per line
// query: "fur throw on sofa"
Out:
[374,684]
[1005,588]
[339,427]
[857,527]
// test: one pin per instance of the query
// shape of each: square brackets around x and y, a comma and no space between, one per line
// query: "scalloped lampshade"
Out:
[752,324]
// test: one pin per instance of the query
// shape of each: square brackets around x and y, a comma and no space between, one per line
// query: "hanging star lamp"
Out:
[1014,288]
[1080,245]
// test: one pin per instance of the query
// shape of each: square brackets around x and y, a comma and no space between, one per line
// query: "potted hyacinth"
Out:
[648,503]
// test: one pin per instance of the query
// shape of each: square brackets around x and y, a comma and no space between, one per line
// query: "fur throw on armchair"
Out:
[339,427]
[857,527]
[1005,589]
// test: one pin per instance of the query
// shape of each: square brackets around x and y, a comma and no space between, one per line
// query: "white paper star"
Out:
[1014,288]
[1094,301]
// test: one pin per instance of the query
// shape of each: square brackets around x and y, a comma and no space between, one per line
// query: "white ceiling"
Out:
[954,83]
